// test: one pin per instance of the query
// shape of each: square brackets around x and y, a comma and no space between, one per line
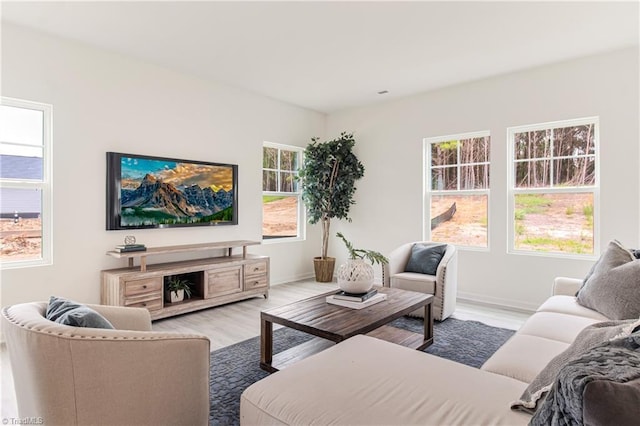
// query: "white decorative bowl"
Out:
[355,276]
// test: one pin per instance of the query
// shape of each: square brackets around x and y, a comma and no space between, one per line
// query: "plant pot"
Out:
[355,276]
[171,297]
[324,268]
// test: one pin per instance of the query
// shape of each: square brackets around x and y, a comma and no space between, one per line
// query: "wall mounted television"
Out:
[156,192]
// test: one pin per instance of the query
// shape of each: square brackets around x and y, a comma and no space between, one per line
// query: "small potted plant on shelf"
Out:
[356,276]
[177,289]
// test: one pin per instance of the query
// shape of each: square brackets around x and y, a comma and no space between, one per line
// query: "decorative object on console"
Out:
[129,240]
[328,177]
[176,289]
[356,276]
[611,287]
[156,192]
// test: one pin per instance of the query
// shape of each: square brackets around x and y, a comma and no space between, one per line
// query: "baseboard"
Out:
[497,302]
[293,278]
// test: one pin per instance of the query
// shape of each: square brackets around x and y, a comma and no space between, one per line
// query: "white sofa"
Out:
[364,380]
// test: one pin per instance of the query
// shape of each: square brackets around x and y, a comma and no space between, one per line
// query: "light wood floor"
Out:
[235,322]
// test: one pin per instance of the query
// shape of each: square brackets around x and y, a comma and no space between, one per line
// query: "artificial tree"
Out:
[328,182]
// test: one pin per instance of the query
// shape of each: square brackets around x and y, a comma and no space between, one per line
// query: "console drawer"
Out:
[152,302]
[142,286]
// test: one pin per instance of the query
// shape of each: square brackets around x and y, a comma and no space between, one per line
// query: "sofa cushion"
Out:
[68,312]
[613,289]
[545,324]
[569,305]
[425,258]
[365,381]
[588,338]
[523,357]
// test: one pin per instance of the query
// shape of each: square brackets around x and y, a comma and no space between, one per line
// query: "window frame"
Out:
[301,229]
[594,189]
[45,185]
[429,193]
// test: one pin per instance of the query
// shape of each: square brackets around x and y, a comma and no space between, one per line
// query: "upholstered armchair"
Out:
[443,285]
[88,376]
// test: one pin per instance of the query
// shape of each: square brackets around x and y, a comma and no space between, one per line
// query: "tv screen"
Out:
[156,192]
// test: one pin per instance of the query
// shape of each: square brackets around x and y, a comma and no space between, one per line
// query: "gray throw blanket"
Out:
[617,360]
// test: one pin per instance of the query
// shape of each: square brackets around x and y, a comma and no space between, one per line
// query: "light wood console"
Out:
[215,280]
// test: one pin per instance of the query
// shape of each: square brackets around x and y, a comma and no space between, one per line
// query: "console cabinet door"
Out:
[223,281]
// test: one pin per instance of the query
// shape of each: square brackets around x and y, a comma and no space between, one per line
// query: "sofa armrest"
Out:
[123,318]
[566,286]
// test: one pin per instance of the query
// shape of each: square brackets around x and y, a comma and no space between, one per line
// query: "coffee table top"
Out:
[315,316]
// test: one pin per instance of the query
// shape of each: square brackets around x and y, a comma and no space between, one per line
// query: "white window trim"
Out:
[428,193]
[302,231]
[512,191]
[46,185]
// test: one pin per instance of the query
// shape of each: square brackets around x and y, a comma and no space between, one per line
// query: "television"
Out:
[156,192]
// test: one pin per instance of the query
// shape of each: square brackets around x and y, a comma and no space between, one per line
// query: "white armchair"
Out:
[88,376]
[443,285]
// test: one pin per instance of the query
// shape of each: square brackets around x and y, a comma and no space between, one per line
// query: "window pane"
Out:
[21,125]
[474,150]
[559,223]
[533,174]
[460,219]
[269,182]
[530,145]
[269,158]
[288,183]
[474,177]
[444,179]
[18,167]
[20,224]
[444,153]
[575,171]
[279,216]
[288,160]
[572,141]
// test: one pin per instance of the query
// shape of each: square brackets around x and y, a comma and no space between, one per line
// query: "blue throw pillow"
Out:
[425,258]
[68,312]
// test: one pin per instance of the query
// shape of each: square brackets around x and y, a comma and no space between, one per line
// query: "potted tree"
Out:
[177,289]
[356,276]
[328,176]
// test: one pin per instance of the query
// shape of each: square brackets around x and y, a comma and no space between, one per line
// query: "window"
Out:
[457,194]
[554,186]
[25,183]
[281,199]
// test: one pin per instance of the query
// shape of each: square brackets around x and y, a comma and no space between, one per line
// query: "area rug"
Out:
[236,367]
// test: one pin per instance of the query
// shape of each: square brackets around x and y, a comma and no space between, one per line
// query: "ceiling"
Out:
[328,56]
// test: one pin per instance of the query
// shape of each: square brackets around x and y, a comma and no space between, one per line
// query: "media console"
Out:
[215,280]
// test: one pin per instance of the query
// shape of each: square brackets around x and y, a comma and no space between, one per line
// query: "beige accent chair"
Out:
[88,376]
[443,285]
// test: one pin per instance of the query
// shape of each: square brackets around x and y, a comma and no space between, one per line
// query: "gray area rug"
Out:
[236,367]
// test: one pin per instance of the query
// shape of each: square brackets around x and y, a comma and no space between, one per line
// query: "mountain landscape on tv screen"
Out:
[178,193]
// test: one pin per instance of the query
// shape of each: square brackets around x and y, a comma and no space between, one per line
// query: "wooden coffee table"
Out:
[333,324]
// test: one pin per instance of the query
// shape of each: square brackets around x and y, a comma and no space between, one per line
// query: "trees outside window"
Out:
[281,203]
[554,186]
[457,189]
[25,183]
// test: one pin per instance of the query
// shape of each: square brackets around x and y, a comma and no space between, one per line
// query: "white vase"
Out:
[172,297]
[355,276]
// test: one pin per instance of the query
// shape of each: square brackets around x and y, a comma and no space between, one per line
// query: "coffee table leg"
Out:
[428,323]
[266,344]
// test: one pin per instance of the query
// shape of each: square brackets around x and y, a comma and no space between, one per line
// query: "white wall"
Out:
[106,102]
[389,142]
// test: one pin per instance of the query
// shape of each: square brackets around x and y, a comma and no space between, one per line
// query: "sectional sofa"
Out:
[369,381]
